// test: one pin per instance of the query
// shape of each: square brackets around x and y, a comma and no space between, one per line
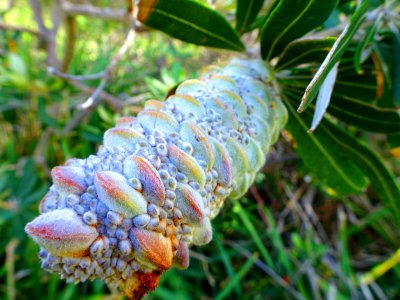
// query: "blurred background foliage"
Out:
[288,238]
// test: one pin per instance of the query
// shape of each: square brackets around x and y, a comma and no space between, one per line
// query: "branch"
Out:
[94,76]
[37,13]
[4,26]
[93,11]
[47,37]
[70,39]
[113,101]
[95,99]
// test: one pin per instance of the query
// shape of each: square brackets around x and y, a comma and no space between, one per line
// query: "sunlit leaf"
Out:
[305,50]
[246,13]
[364,115]
[324,97]
[291,19]
[323,157]
[333,56]
[364,47]
[189,21]
[17,65]
[381,178]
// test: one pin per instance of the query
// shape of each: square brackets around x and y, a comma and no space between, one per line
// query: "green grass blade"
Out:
[236,279]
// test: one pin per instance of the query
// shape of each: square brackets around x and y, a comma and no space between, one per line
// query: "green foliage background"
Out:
[290,237]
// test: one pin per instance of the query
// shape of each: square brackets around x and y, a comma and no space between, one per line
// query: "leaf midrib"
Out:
[302,55]
[362,117]
[370,165]
[246,17]
[198,28]
[287,28]
[321,148]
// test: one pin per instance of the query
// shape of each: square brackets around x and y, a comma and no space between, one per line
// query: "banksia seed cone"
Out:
[132,211]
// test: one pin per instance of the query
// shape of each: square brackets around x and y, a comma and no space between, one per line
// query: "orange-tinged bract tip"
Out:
[228,116]
[233,101]
[222,163]
[187,104]
[154,105]
[140,168]
[68,179]
[202,234]
[152,248]
[122,137]
[187,164]
[126,121]
[62,233]
[182,258]
[190,203]
[157,120]
[114,190]
[193,87]
[199,140]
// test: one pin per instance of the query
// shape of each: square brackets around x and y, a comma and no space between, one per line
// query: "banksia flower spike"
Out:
[130,212]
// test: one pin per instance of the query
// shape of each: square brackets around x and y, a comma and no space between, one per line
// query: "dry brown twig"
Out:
[95,99]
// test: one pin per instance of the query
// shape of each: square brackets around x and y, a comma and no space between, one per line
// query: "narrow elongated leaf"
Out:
[394,144]
[246,13]
[324,158]
[291,19]
[189,21]
[364,48]
[333,56]
[236,280]
[382,179]
[363,87]
[324,97]
[364,115]
[396,71]
[305,51]
[384,59]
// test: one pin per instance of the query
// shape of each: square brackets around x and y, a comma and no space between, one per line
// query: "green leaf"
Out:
[323,157]
[384,70]
[305,51]
[364,48]
[189,21]
[291,19]
[364,115]
[243,215]
[387,53]
[333,56]
[246,13]
[226,260]
[363,87]
[224,293]
[17,65]
[396,46]
[394,140]
[382,179]
[324,97]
